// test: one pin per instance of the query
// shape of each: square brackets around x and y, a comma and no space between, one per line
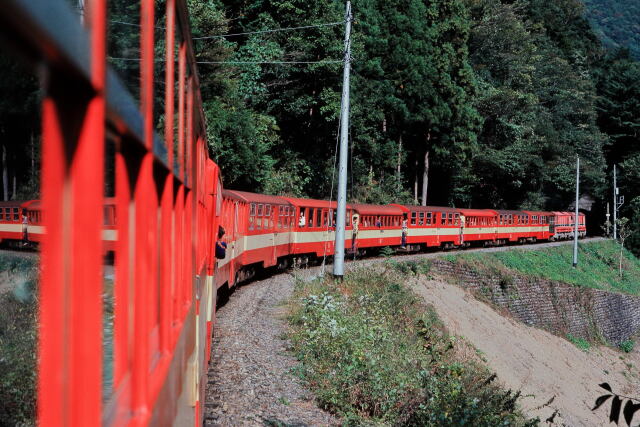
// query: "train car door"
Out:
[355,226]
[273,237]
[234,245]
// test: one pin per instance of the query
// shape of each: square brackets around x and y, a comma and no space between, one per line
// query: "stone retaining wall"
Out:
[555,306]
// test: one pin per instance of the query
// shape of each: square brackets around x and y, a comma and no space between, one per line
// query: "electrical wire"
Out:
[276,30]
[134,25]
[236,62]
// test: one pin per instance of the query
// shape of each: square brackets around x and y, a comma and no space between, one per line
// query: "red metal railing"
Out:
[165,210]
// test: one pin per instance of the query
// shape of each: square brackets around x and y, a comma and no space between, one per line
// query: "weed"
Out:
[627,346]
[597,267]
[581,343]
[373,354]
[387,252]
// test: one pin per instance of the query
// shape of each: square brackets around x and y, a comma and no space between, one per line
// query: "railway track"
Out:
[250,378]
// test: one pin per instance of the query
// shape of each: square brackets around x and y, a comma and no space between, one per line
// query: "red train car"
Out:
[378,226]
[313,232]
[258,235]
[478,226]
[432,226]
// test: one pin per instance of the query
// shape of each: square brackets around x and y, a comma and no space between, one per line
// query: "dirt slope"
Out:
[534,361]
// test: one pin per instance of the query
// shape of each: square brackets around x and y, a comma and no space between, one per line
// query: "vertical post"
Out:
[338,261]
[81,10]
[615,204]
[576,219]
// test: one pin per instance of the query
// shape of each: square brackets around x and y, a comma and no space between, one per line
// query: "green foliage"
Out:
[387,252]
[615,22]
[374,355]
[581,343]
[420,266]
[627,346]
[597,265]
[18,334]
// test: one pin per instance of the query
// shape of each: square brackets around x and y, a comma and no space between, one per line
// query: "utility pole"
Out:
[338,257]
[81,10]
[576,220]
[615,204]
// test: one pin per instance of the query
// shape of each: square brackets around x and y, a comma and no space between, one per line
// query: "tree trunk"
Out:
[425,173]
[621,251]
[398,170]
[33,158]
[5,174]
[425,178]
[415,184]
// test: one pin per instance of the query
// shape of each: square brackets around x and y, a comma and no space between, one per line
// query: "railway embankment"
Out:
[597,301]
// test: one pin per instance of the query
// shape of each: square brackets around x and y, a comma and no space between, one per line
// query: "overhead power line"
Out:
[133,25]
[237,62]
[276,30]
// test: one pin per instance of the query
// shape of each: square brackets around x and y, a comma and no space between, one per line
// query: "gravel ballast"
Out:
[250,375]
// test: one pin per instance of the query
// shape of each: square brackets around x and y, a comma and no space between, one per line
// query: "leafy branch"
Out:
[630,408]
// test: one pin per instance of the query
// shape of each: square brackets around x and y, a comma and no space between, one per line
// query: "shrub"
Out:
[373,353]
[581,343]
[627,346]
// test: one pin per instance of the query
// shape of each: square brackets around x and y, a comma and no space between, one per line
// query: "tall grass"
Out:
[374,354]
[597,265]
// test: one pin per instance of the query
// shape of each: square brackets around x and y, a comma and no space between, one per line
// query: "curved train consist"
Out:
[264,231]
[267,231]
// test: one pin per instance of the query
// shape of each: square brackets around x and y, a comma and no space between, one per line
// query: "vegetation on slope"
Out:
[616,22]
[374,354]
[597,266]
[18,333]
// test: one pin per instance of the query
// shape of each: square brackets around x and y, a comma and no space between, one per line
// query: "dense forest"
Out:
[469,103]
[616,22]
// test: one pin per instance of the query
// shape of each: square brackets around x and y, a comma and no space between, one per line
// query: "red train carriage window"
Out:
[259,216]
[413,218]
[252,214]
[421,221]
[510,219]
[431,218]
[268,219]
[396,221]
[1,215]
[443,219]
[325,218]
[457,219]
[16,214]
[7,214]
[318,218]
[310,219]
[348,219]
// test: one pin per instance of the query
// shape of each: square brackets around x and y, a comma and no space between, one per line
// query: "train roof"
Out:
[311,203]
[366,209]
[545,213]
[429,208]
[478,212]
[511,212]
[254,197]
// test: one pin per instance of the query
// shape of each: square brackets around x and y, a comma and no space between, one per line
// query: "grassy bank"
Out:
[374,354]
[18,333]
[597,266]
